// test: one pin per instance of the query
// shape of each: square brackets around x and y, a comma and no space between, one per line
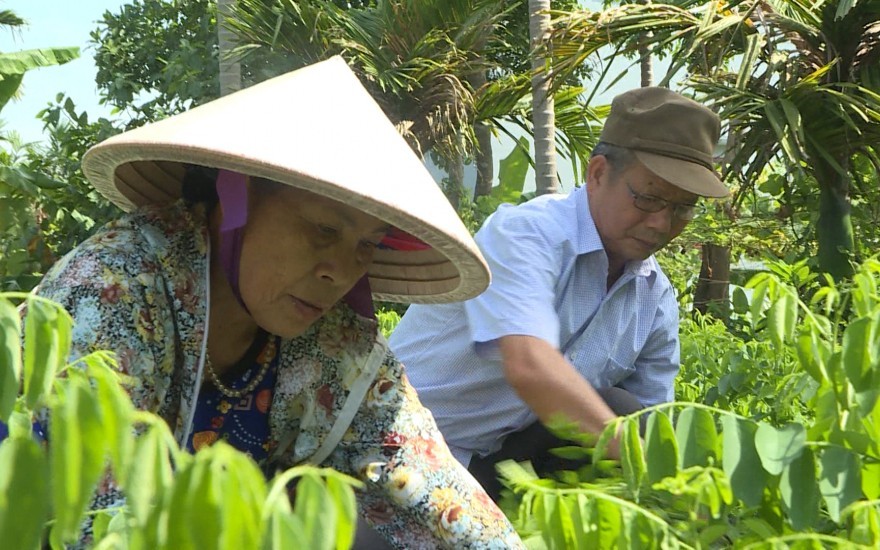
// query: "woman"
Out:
[246,314]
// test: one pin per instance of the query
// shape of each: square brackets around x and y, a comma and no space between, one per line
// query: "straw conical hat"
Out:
[318,129]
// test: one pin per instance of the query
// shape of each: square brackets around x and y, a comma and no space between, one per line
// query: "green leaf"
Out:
[512,172]
[150,474]
[741,461]
[865,525]
[661,449]
[813,352]
[800,492]
[116,409]
[77,453]
[697,437]
[631,455]
[871,479]
[100,525]
[609,524]
[10,358]
[839,481]
[779,447]
[759,292]
[342,496]
[782,318]
[861,341]
[24,493]
[17,63]
[47,344]
[9,85]
[640,533]
[310,508]
[740,300]
[241,527]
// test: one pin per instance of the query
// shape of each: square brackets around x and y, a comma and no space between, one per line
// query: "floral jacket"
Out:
[139,287]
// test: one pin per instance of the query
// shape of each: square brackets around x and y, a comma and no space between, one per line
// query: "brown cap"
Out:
[673,136]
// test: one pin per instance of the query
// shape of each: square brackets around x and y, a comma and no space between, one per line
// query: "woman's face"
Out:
[301,253]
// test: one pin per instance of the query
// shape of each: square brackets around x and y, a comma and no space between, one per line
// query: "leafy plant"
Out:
[172,499]
[800,473]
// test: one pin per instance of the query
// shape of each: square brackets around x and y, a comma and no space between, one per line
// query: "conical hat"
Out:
[317,129]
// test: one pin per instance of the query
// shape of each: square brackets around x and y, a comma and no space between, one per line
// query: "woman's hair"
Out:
[199,186]
[620,158]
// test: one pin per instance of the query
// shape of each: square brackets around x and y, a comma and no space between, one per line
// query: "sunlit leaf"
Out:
[779,447]
[861,351]
[697,437]
[24,493]
[77,453]
[661,449]
[10,358]
[47,345]
[631,455]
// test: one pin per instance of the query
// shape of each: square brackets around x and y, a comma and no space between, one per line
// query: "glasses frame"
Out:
[681,211]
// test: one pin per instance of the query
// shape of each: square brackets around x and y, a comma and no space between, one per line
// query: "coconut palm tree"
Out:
[806,92]
[230,68]
[543,115]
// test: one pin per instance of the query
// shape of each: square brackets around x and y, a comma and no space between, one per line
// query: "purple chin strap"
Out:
[233,194]
[232,190]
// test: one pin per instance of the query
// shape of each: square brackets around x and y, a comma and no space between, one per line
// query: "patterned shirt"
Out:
[138,287]
[549,273]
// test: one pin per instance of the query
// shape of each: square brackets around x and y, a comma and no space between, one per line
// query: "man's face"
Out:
[627,232]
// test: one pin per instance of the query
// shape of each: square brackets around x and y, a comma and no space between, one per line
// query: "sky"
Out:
[63,23]
[53,23]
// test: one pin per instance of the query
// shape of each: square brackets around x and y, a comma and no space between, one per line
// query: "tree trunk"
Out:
[713,286]
[455,180]
[834,230]
[645,61]
[543,117]
[712,292]
[230,70]
[484,159]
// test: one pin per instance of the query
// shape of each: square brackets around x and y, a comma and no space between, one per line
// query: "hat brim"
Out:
[317,129]
[450,270]
[690,176]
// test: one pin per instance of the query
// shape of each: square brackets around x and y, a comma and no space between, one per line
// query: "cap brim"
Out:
[690,176]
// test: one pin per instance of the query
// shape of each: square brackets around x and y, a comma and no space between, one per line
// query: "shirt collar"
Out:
[589,240]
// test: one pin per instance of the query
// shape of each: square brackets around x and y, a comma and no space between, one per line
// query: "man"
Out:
[579,320]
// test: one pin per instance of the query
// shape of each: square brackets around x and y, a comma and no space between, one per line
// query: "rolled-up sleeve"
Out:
[525,259]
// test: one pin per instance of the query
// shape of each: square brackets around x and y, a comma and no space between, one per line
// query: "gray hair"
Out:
[620,158]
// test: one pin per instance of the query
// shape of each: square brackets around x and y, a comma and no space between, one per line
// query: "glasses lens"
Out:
[649,203]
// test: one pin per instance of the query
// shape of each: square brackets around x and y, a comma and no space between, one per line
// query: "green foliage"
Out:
[779,469]
[157,57]
[388,320]
[46,205]
[172,499]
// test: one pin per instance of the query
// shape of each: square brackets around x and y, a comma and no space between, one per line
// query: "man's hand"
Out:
[551,386]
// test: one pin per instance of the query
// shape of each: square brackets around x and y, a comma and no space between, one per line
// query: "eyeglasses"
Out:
[650,203]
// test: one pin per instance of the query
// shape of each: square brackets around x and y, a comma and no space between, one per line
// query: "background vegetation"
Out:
[774,440]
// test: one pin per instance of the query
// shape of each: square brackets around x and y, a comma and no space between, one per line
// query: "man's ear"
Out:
[597,172]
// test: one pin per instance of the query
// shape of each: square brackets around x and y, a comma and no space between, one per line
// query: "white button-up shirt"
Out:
[549,280]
